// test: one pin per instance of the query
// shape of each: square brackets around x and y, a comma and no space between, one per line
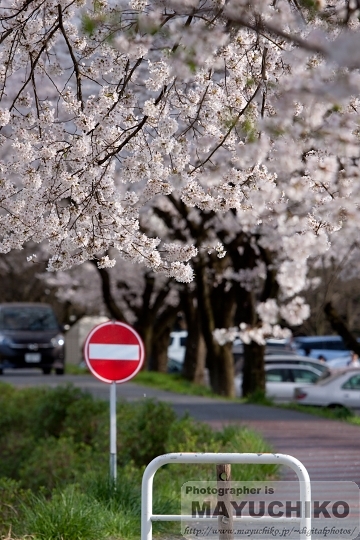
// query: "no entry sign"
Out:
[114,352]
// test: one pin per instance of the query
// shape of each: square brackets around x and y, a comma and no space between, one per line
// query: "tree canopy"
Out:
[185,135]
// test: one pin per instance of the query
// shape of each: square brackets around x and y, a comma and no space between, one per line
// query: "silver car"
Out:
[324,367]
[282,379]
[341,389]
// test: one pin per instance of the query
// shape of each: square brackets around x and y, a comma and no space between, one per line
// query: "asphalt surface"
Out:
[330,450]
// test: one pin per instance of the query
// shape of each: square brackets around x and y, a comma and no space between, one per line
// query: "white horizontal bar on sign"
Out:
[102,351]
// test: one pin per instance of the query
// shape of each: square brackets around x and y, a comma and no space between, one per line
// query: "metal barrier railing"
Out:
[147,516]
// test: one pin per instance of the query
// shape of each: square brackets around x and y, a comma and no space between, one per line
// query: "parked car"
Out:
[278,346]
[176,350]
[323,367]
[30,337]
[342,389]
[315,346]
[282,379]
[272,347]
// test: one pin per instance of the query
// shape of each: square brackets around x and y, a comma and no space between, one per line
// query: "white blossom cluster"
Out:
[247,113]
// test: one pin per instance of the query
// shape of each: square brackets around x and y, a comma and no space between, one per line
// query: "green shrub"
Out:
[53,437]
[124,496]
[12,501]
[15,448]
[17,408]
[68,515]
[142,431]
[52,410]
[56,462]
[188,435]
[56,442]
[86,421]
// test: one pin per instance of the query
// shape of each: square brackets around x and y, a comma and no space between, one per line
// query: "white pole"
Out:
[113,432]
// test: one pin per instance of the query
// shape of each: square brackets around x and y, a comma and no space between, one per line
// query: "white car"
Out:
[176,350]
[323,367]
[282,379]
[341,389]
[177,346]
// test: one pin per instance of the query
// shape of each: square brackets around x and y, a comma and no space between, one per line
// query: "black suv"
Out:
[30,337]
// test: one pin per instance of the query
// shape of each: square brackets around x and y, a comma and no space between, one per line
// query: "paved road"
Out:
[330,450]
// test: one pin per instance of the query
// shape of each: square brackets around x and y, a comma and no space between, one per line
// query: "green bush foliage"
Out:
[12,501]
[54,463]
[143,430]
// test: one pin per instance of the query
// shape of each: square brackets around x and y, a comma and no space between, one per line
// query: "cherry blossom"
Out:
[244,113]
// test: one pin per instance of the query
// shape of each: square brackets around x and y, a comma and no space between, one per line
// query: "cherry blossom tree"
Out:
[22,281]
[128,293]
[239,118]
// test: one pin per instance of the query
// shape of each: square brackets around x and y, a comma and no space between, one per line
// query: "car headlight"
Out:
[4,340]
[58,340]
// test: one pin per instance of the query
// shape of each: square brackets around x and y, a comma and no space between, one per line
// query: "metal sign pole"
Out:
[113,433]
[114,352]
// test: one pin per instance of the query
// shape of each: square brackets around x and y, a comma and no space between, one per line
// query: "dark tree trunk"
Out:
[340,327]
[253,364]
[113,309]
[216,310]
[199,375]
[146,318]
[146,333]
[159,358]
[163,325]
[194,362]
[149,324]
[253,373]
[221,373]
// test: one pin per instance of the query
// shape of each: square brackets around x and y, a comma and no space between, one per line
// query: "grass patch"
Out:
[54,463]
[68,514]
[175,383]
[73,369]
[342,413]
[259,398]
[172,382]
[337,413]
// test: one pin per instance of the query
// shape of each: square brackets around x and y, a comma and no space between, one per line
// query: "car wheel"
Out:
[340,411]
[46,370]
[59,371]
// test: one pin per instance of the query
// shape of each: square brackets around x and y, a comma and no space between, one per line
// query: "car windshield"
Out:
[28,318]
[319,366]
[327,378]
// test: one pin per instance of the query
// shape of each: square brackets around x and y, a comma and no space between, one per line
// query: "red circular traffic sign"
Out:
[114,352]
